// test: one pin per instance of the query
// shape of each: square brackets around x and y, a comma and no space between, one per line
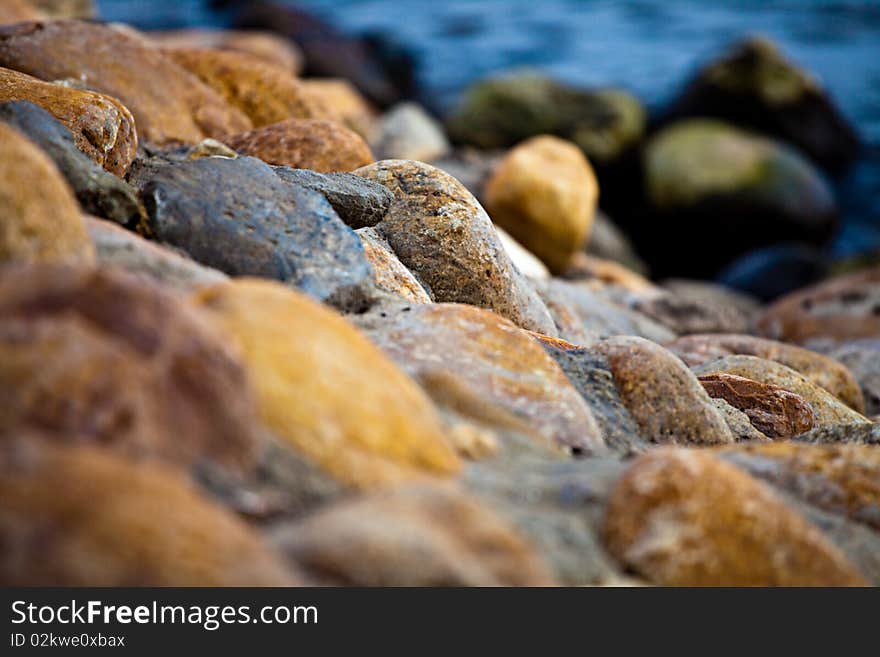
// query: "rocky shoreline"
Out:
[258,328]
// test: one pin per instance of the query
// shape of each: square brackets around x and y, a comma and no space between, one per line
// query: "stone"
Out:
[102,127]
[753,84]
[39,217]
[714,294]
[444,345]
[123,249]
[471,167]
[682,517]
[239,217]
[842,308]
[738,422]
[359,203]
[263,92]
[347,104]
[80,516]
[862,359]
[269,47]
[101,356]
[65,8]
[607,272]
[326,391]
[828,373]
[523,259]
[391,276]
[544,193]
[827,408]
[440,232]
[772,410]
[408,132]
[857,434]
[168,104]
[98,192]
[14,11]
[316,144]
[411,536]
[753,192]
[684,313]
[607,240]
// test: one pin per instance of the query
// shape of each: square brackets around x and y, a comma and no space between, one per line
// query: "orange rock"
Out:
[391,276]
[268,46]
[13,11]
[323,146]
[582,265]
[346,102]
[681,517]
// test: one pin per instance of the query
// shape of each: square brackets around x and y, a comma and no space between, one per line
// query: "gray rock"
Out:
[862,357]
[860,434]
[738,422]
[408,132]
[610,242]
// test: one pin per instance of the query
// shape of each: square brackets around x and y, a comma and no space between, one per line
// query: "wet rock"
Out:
[412,536]
[265,93]
[98,192]
[772,410]
[488,357]
[769,272]
[753,84]
[315,144]
[123,249]
[441,233]
[663,396]
[103,357]
[858,434]
[391,276]
[862,357]
[842,308]
[696,350]
[40,217]
[407,132]
[685,518]
[827,408]
[608,241]
[752,191]
[347,105]
[544,193]
[168,104]
[79,516]
[269,47]
[326,391]
[102,127]
[738,422]
[239,217]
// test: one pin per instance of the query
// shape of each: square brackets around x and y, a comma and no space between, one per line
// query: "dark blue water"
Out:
[647,46]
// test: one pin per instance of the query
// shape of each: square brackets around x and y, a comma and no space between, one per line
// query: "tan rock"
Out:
[268,46]
[13,11]
[391,276]
[585,266]
[340,97]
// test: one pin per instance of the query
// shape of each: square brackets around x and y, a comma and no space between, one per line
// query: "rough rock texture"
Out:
[489,358]
[268,46]
[544,193]
[412,536]
[326,390]
[862,357]
[104,357]
[98,192]
[359,203]
[408,132]
[391,276]
[167,102]
[79,516]
[827,408]
[842,308]
[826,372]
[665,398]
[441,233]
[738,422]
[685,518]
[774,411]
[39,217]
[315,144]
[859,434]
[102,127]
[347,104]
[239,217]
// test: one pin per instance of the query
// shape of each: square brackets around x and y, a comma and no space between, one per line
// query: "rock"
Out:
[239,217]
[359,203]
[123,249]
[696,350]
[772,410]
[842,308]
[738,422]
[441,233]
[14,11]
[665,398]
[769,272]
[607,272]
[843,479]
[862,358]
[346,103]
[685,313]
[322,146]
[754,85]
[40,217]
[858,434]
[326,391]
[503,111]
[408,132]
[682,517]
[827,408]
[391,276]
[168,104]
[752,191]
[488,358]
[713,294]
[102,127]
[521,257]
[608,241]
[265,93]
[79,516]
[412,536]
[103,357]
[97,191]
[544,193]
[269,47]
[65,8]
[471,167]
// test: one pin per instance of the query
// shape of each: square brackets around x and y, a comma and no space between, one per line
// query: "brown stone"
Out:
[346,102]
[682,517]
[585,266]
[270,47]
[391,276]
[14,11]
